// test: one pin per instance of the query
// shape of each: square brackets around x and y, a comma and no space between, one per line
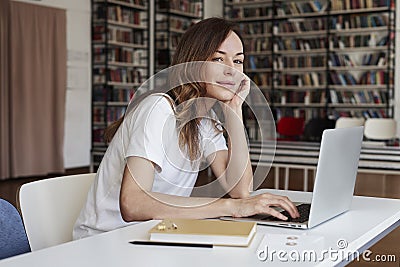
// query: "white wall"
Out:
[77,141]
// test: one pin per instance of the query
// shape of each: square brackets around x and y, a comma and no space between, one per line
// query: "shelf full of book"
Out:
[120,53]
[172,19]
[320,58]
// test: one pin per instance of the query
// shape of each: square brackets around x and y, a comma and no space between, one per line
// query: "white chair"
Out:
[380,129]
[345,122]
[50,208]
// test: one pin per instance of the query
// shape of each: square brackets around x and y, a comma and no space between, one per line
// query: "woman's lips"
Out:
[227,84]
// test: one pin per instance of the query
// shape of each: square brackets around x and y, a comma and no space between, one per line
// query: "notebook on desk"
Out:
[214,232]
[334,181]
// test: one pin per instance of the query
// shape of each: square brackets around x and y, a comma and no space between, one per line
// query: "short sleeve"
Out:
[147,128]
[212,139]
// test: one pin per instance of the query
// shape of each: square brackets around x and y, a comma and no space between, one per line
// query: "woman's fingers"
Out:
[265,204]
[244,89]
[284,203]
[277,214]
[290,207]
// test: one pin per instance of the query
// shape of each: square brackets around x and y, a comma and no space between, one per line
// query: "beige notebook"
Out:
[215,232]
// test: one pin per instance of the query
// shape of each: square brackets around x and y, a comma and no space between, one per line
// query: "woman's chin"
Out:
[221,93]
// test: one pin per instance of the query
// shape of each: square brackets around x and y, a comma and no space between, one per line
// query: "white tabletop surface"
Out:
[368,220]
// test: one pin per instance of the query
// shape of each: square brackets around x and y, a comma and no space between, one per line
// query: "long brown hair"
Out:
[198,43]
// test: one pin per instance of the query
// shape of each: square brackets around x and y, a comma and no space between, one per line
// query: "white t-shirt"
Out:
[148,132]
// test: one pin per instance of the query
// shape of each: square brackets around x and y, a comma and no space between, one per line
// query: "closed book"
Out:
[215,232]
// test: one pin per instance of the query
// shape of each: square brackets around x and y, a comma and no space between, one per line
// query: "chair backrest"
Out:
[290,127]
[13,239]
[380,129]
[315,127]
[50,208]
[345,122]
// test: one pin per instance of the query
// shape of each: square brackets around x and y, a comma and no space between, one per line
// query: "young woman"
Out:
[152,162]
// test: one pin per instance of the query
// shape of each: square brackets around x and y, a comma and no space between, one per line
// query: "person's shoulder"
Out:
[157,101]
[155,106]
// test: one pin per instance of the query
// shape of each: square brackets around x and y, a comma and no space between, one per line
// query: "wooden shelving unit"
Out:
[172,19]
[320,58]
[120,52]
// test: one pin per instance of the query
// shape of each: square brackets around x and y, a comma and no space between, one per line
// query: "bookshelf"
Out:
[320,58]
[172,19]
[120,52]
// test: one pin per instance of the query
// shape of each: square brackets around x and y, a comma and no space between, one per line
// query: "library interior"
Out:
[71,68]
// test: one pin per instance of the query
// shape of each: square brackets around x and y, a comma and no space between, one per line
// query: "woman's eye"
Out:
[217,59]
[238,61]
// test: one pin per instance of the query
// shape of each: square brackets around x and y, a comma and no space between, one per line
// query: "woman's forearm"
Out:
[138,203]
[238,173]
[150,205]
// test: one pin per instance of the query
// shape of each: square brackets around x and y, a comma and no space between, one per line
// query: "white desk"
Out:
[358,227]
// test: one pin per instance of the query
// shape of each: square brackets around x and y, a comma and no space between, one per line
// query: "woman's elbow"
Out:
[126,212]
[130,213]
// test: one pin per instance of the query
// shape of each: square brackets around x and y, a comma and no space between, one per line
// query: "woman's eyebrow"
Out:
[224,53]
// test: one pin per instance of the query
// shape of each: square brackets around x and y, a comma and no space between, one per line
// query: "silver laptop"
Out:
[334,182]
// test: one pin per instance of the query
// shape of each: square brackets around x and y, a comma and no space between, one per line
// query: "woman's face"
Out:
[224,78]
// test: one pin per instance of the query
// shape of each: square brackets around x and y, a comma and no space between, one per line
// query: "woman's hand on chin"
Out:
[238,98]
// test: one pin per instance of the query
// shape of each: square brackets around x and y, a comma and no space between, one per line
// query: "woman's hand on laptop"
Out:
[265,204]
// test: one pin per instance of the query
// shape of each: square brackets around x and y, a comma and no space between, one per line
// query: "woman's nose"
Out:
[228,68]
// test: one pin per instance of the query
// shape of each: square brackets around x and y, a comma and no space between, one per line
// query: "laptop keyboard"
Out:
[304,211]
